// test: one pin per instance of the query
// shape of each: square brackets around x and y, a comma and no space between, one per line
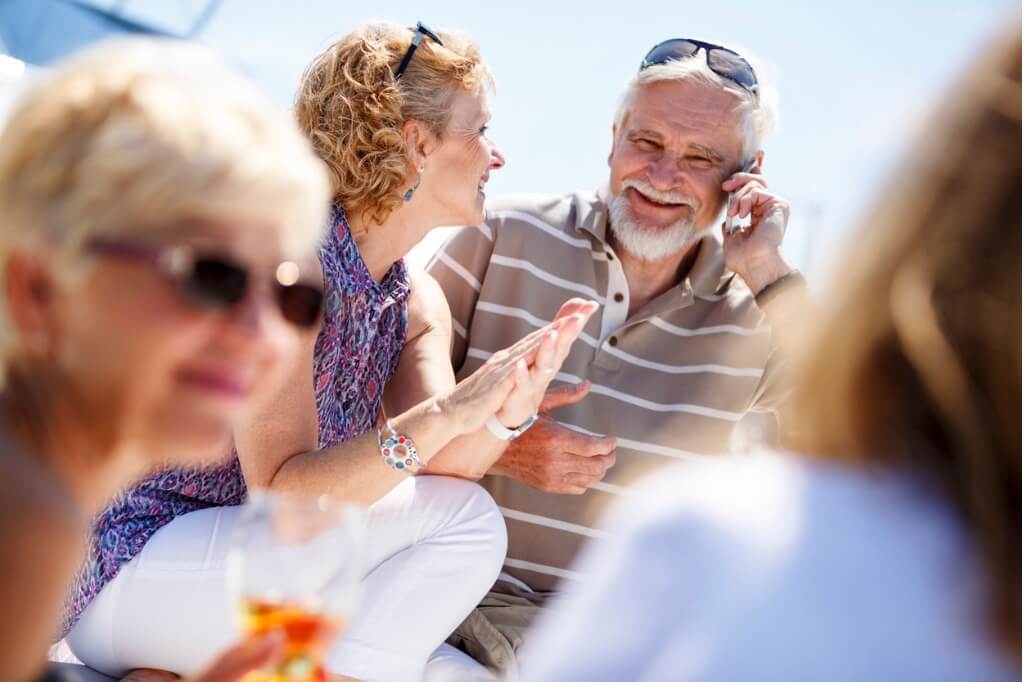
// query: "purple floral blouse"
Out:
[357,351]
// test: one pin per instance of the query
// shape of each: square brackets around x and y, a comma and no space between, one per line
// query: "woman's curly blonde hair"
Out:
[352,108]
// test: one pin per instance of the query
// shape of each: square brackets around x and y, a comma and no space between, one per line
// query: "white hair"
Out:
[758,113]
[652,244]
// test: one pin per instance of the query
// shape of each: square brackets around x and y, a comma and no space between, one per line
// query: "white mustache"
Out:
[647,190]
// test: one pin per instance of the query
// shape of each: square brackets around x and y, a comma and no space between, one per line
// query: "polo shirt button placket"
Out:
[615,313]
[603,356]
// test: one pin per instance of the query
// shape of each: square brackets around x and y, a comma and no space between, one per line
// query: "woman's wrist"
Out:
[512,418]
[509,433]
[427,425]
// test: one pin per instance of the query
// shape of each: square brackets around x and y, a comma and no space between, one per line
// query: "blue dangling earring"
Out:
[408,194]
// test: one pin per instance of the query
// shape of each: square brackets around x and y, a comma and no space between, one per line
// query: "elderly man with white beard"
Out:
[683,346]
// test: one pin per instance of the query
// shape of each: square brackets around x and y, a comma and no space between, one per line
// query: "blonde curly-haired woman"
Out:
[399,118]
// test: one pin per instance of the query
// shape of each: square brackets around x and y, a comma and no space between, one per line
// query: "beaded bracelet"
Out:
[398,450]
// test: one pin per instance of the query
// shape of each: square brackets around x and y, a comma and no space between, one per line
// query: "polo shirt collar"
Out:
[591,213]
[708,273]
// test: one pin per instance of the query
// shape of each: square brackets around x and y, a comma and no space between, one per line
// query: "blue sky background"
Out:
[855,79]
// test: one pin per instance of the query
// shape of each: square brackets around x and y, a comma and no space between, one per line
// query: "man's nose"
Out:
[664,174]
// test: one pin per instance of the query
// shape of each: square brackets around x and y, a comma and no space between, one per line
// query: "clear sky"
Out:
[855,79]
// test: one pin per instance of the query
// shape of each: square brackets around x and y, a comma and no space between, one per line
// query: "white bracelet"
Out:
[501,432]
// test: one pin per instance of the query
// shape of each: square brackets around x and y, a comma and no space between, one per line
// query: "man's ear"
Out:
[29,290]
[759,158]
[615,137]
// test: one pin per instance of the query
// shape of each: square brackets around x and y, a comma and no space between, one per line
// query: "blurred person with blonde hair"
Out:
[889,549]
[150,201]
[398,117]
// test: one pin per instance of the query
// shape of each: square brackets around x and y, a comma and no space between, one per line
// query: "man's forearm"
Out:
[790,311]
[788,307]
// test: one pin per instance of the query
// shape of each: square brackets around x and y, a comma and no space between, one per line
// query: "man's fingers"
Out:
[737,180]
[753,200]
[593,465]
[585,445]
[745,204]
[734,204]
[580,482]
[564,394]
[743,201]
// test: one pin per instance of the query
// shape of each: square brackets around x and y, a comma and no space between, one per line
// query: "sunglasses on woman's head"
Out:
[723,61]
[417,37]
[217,281]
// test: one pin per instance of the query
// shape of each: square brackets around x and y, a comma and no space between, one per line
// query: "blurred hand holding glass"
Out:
[296,565]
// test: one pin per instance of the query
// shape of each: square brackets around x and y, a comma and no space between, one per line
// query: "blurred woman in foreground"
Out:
[156,227]
[891,549]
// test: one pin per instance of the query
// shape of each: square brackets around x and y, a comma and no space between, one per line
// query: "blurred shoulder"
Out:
[34,506]
[720,501]
[43,539]
[730,495]
[859,571]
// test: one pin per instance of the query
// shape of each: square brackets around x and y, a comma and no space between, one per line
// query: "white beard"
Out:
[650,244]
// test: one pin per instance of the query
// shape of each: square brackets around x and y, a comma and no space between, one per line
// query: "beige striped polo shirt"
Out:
[670,382]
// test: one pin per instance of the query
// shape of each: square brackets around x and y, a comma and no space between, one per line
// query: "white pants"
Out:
[436,545]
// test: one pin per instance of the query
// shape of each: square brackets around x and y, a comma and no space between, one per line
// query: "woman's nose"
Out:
[255,324]
[497,159]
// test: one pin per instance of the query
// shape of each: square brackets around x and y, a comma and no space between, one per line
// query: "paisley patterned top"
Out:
[357,350]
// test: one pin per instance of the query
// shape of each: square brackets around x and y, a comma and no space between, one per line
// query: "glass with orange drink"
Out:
[295,566]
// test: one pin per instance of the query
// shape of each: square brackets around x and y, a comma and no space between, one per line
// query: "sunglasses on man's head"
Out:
[721,60]
[217,281]
[417,38]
